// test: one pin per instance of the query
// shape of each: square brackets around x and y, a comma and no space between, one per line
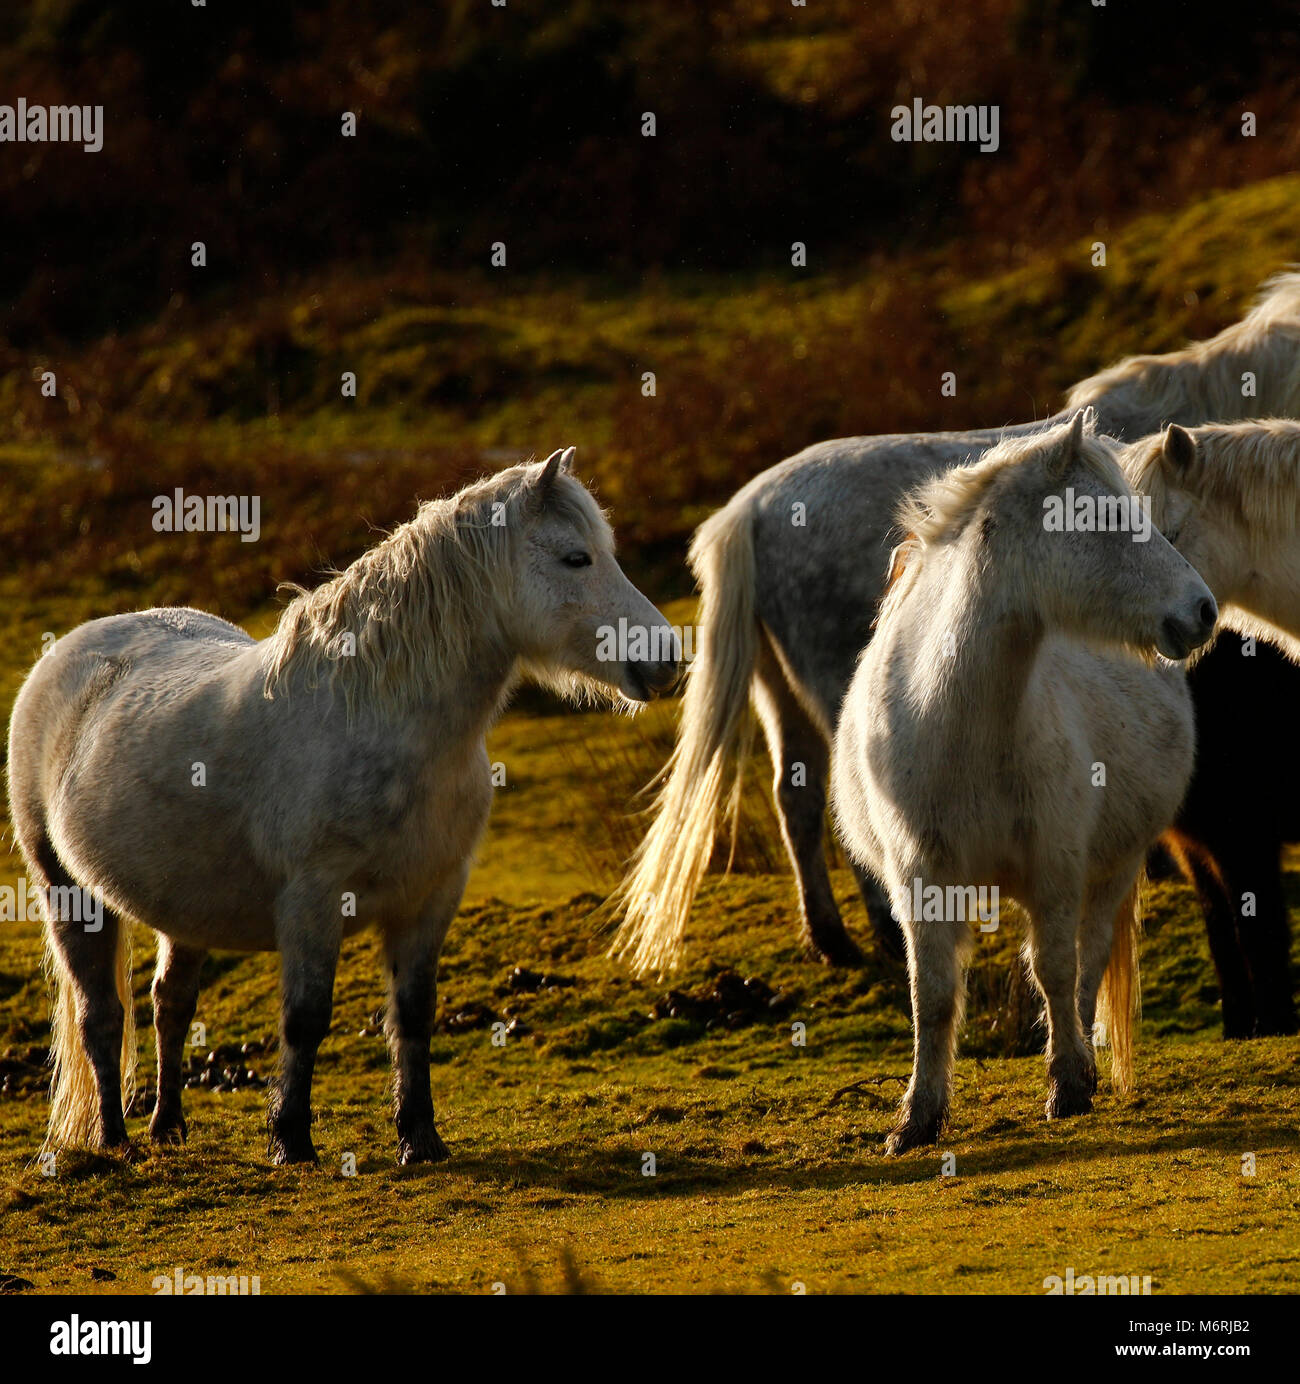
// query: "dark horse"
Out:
[1240,809]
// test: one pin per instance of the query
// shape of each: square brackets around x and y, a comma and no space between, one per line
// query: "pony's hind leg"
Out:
[92,1029]
[793,739]
[411,958]
[90,1036]
[308,929]
[175,996]
[936,957]
[884,926]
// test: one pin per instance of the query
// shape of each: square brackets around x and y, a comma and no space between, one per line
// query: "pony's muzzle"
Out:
[652,667]
[1180,634]
[650,680]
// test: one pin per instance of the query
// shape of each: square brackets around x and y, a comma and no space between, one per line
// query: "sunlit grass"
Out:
[762,1178]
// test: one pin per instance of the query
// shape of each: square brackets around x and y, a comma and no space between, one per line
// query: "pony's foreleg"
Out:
[1266,938]
[175,996]
[1054,960]
[1212,890]
[308,929]
[411,956]
[936,955]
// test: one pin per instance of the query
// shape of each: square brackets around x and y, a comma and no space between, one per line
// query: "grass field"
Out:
[764,1179]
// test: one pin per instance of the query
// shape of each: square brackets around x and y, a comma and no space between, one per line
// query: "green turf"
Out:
[763,1178]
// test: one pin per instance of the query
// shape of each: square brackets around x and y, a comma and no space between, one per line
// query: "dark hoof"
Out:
[1065,1101]
[1071,1085]
[424,1147]
[171,1129]
[284,1149]
[840,950]
[1238,1026]
[914,1133]
[112,1136]
[1276,1025]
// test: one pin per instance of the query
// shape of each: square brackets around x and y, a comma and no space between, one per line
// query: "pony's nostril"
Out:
[1209,613]
[666,676]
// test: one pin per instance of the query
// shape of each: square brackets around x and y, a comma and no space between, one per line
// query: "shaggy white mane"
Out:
[417,602]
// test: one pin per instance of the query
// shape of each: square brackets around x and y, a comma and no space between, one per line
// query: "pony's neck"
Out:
[472,703]
[415,627]
[1181,389]
[457,674]
[1265,596]
[979,647]
[465,699]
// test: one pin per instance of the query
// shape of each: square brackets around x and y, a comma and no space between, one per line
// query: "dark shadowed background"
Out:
[625,254]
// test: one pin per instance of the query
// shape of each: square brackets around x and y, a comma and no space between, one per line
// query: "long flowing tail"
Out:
[74,1096]
[657,893]
[1120,1000]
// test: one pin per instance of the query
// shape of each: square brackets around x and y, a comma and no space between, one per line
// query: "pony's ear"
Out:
[1058,460]
[898,560]
[545,483]
[1178,449]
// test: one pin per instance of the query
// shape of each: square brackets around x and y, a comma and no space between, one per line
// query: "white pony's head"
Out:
[575,618]
[1053,527]
[514,572]
[1227,495]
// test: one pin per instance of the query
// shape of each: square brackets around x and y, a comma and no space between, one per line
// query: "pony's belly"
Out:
[169,864]
[224,904]
[254,934]
[251,932]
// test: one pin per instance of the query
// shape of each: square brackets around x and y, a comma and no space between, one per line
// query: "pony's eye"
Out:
[576,559]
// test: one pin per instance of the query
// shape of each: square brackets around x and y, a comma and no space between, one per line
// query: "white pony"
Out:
[279,795]
[987,743]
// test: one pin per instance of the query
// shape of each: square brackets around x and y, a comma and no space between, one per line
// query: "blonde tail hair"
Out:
[1120,1000]
[659,888]
[74,1096]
